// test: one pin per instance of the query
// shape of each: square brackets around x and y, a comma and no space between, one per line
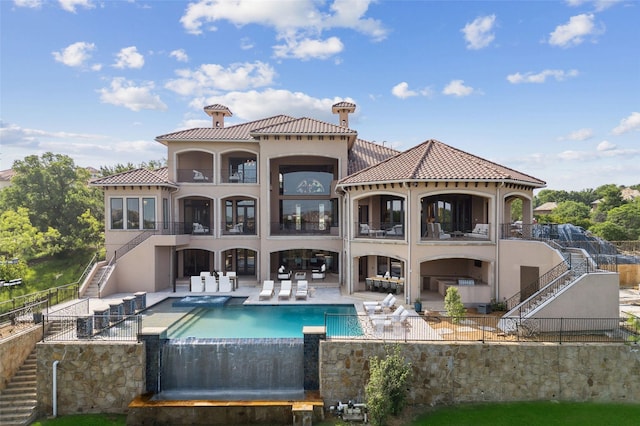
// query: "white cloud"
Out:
[299,22]
[253,105]
[209,78]
[308,48]
[401,90]
[479,33]
[541,77]
[125,93]
[70,5]
[32,4]
[75,55]
[457,88]
[606,146]
[628,124]
[599,5]
[578,135]
[573,32]
[129,57]
[246,43]
[180,55]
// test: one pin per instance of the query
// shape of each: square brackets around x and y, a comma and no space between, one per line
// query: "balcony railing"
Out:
[195,175]
[240,228]
[304,228]
[389,231]
[239,177]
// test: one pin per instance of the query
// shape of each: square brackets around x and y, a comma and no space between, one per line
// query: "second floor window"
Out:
[136,208]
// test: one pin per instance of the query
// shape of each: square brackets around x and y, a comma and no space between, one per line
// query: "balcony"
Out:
[195,175]
[240,177]
[304,228]
[389,231]
[435,232]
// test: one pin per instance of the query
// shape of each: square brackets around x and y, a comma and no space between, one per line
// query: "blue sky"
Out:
[550,88]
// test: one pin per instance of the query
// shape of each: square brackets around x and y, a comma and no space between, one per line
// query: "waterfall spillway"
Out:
[228,369]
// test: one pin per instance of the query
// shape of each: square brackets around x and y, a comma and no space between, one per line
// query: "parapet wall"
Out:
[92,377]
[451,373]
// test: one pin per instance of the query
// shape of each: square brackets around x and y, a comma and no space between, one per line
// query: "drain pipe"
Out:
[55,388]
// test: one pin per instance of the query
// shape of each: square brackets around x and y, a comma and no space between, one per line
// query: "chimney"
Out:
[217,113]
[343,109]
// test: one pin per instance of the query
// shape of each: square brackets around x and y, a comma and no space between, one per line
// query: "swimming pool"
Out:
[237,321]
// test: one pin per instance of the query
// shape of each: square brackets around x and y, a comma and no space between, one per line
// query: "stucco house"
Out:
[294,194]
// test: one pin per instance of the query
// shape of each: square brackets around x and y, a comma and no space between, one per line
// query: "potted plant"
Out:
[417,305]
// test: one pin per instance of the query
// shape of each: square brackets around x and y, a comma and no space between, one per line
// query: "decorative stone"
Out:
[129,304]
[141,300]
[101,318]
[115,311]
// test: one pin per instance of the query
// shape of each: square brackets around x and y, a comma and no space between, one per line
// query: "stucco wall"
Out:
[91,377]
[14,350]
[446,373]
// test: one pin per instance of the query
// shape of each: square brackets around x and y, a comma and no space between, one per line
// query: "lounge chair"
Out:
[225,283]
[302,290]
[481,230]
[267,290]
[199,176]
[198,228]
[196,283]
[285,290]
[238,228]
[210,284]
[438,233]
[372,307]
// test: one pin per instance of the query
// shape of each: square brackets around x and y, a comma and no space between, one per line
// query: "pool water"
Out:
[234,321]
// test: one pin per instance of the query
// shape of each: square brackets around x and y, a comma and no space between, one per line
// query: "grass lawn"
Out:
[517,413]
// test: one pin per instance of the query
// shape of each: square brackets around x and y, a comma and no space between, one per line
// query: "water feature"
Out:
[232,369]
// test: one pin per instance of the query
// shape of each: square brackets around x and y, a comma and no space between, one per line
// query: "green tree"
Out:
[571,212]
[609,231]
[387,386]
[516,210]
[453,305]
[20,239]
[627,216]
[610,197]
[56,194]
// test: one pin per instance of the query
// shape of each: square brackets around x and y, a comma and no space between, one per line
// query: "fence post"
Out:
[561,325]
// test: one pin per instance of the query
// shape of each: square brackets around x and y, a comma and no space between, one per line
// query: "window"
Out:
[309,215]
[306,180]
[136,208]
[240,216]
[116,214]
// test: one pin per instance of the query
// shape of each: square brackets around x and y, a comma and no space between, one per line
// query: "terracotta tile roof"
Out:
[136,177]
[238,132]
[218,107]
[7,174]
[303,126]
[364,154]
[435,161]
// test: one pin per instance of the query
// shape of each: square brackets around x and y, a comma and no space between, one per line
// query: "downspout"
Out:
[55,388]
[407,275]
[496,235]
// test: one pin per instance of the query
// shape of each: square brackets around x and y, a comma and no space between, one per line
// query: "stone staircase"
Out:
[93,289]
[18,399]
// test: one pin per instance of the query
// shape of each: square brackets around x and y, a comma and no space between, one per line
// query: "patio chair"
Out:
[210,284]
[372,307]
[196,283]
[267,290]
[369,284]
[199,228]
[285,290]
[438,233]
[319,274]
[302,290]
[283,274]
[238,228]
[199,176]
[481,230]
[225,283]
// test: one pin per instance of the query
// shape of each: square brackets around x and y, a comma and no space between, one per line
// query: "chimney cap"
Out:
[342,106]
[211,110]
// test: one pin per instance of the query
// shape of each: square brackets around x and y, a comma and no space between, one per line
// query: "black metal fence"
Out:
[92,327]
[481,329]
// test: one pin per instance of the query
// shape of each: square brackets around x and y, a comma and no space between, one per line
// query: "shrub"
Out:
[386,389]
[453,305]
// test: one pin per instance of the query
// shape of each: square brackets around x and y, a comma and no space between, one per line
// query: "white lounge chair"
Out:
[481,230]
[373,307]
[302,290]
[283,274]
[225,284]
[199,176]
[267,290]
[198,228]
[196,283]
[210,284]
[285,290]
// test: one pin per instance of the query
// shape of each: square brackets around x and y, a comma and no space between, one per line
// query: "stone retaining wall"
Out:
[448,373]
[14,349]
[93,377]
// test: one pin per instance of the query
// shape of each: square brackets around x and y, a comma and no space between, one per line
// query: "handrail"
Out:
[542,281]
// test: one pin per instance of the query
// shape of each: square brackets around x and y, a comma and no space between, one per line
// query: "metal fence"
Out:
[481,329]
[92,328]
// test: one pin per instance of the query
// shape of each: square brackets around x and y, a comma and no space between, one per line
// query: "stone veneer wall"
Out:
[93,377]
[448,373]
[14,350]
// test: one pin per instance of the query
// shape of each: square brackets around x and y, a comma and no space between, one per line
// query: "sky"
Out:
[549,88]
